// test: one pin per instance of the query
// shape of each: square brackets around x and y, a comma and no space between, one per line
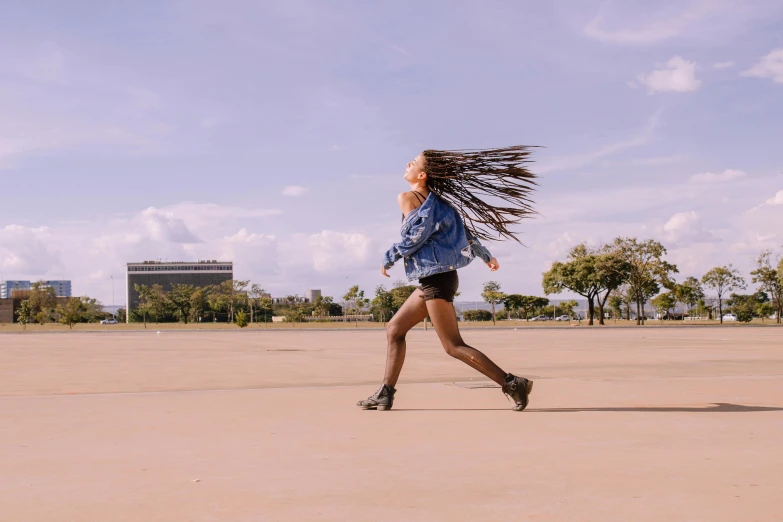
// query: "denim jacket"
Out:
[434,240]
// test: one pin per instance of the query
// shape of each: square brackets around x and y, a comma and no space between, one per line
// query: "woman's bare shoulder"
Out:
[407,202]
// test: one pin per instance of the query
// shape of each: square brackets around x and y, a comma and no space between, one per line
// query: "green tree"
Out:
[241,318]
[228,296]
[723,279]
[526,303]
[616,306]
[512,303]
[477,315]
[584,273]
[492,295]
[764,310]
[770,279]
[43,302]
[71,312]
[644,269]
[664,303]
[689,292]
[157,301]
[92,310]
[382,305]
[199,302]
[145,301]
[180,298]
[400,293]
[25,313]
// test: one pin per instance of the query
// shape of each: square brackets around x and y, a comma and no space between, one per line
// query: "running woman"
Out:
[444,216]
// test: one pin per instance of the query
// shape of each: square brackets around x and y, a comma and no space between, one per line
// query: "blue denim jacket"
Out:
[434,240]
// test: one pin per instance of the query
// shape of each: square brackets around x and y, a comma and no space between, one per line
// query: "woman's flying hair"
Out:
[464,177]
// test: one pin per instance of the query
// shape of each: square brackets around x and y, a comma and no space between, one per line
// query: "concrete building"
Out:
[198,273]
[7,287]
[312,295]
[62,288]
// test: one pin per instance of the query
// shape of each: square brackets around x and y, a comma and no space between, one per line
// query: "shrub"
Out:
[477,315]
[241,318]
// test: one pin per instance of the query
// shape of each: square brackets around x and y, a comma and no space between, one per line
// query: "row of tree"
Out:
[41,305]
[629,272]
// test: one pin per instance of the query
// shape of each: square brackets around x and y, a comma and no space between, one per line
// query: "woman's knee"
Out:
[452,349]
[394,332]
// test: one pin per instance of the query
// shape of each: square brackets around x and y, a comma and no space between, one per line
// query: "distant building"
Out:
[312,295]
[61,288]
[7,287]
[198,274]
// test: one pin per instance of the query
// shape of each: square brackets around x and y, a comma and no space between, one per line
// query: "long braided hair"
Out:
[464,177]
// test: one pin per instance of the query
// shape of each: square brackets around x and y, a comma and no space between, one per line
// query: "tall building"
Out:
[312,295]
[198,274]
[62,288]
[7,287]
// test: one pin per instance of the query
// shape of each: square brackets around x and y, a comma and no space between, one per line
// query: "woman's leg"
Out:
[444,319]
[412,312]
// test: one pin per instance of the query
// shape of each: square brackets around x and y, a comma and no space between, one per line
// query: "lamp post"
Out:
[113,309]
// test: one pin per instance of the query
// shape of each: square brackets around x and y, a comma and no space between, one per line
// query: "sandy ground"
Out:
[624,425]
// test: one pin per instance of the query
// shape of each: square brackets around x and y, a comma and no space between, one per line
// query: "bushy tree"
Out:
[591,273]
[241,318]
[723,279]
[492,295]
[770,279]
[645,270]
[663,303]
[71,312]
[477,315]
[180,297]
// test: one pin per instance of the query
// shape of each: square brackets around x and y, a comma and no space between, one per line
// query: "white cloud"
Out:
[90,252]
[684,229]
[295,191]
[337,250]
[27,252]
[770,66]
[649,33]
[678,76]
[725,176]
[722,65]
[681,221]
[777,200]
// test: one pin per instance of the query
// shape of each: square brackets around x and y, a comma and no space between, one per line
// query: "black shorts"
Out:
[440,286]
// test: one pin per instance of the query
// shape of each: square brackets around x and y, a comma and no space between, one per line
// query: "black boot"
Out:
[381,400]
[518,388]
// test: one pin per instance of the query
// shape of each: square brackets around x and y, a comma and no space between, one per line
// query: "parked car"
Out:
[540,318]
[109,321]
[562,318]
[729,317]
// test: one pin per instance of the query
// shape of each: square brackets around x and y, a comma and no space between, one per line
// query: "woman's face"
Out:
[415,170]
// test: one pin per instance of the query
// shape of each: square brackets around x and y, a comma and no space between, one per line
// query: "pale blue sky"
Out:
[156,129]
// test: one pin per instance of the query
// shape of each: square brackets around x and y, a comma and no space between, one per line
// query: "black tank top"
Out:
[420,198]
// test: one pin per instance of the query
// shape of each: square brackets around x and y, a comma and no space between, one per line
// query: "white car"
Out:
[540,318]
[562,318]
[109,321]
[729,317]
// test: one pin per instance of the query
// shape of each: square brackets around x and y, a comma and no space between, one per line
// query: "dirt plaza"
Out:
[623,424]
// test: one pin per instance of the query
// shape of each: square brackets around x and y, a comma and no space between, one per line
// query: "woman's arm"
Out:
[418,233]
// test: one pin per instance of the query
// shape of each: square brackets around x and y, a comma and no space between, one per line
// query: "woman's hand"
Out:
[383,271]
[493,264]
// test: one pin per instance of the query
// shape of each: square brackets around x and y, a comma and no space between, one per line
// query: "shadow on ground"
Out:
[720,407]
